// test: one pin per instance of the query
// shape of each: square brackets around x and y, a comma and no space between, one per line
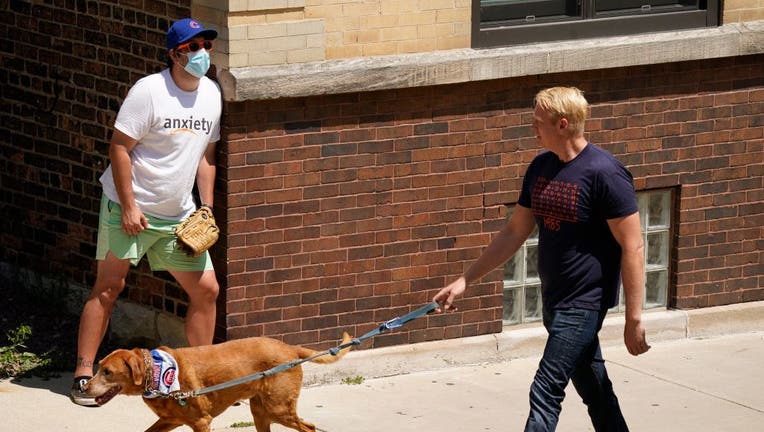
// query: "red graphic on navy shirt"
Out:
[555,201]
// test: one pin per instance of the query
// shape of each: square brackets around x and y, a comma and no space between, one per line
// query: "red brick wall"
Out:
[64,69]
[345,211]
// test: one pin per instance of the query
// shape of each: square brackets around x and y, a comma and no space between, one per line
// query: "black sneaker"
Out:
[78,396]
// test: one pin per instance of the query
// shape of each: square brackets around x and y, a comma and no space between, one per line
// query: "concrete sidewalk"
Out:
[701,383]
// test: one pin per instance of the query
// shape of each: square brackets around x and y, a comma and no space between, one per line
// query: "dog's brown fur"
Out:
[271,399]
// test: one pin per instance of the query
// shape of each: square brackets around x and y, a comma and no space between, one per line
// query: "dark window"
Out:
[512,22]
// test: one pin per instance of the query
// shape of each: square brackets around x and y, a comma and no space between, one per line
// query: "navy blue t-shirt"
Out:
[579,260]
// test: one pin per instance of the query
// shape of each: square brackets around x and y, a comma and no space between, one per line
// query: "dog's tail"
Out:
[307,352]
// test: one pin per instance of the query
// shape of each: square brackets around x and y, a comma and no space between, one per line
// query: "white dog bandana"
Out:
[164,377]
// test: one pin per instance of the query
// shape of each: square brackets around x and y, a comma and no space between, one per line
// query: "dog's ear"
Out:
[136,365]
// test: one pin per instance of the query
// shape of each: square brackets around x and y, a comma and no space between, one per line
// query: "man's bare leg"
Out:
[110,281]
[202,289]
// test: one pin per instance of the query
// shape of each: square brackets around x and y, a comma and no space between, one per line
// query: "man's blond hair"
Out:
[564,102]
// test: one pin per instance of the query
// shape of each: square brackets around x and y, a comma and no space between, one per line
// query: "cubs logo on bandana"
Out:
[163,376]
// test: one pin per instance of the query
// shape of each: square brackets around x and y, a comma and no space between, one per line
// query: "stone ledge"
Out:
[514,343]
[465,65]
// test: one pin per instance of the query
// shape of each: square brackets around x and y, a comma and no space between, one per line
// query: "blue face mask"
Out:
[198,63]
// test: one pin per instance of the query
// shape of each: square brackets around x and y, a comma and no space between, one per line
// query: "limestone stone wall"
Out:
[277,32]
[742,11]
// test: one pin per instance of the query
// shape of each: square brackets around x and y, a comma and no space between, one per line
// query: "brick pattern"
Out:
[347,210]
[65,70]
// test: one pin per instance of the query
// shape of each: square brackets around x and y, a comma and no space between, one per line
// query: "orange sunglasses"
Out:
[195,46]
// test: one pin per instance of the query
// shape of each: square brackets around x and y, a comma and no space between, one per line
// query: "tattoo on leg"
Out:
[84,363]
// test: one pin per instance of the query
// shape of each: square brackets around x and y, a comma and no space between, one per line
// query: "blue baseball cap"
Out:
[186,29]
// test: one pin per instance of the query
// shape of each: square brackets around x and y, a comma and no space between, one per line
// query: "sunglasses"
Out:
[195,46]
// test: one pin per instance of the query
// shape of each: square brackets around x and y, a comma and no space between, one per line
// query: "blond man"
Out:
[583,201]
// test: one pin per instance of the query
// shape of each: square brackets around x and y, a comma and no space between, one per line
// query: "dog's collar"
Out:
[148,378]
[161,378]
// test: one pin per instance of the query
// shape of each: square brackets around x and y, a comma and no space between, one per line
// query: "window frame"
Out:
[590,25]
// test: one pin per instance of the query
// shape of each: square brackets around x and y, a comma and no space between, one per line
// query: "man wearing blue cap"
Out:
[163,142]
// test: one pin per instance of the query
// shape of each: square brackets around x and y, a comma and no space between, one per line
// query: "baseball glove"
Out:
[198,232]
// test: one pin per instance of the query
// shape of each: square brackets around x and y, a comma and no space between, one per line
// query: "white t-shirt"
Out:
[173,128]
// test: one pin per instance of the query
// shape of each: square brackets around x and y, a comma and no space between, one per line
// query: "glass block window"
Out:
[655,211]
[522,286]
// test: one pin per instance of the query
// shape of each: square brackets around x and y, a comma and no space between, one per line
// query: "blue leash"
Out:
[385,327]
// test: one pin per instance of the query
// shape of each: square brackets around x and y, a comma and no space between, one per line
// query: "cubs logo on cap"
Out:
[186,29]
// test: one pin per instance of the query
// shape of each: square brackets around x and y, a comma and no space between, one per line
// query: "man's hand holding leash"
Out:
[633,331]
[447,295]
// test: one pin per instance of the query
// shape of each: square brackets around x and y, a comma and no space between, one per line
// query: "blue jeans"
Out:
[572,352]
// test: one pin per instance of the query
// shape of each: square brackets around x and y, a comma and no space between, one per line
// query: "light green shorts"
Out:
[157,242]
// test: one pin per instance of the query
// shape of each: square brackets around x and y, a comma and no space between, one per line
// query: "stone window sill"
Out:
[465,65]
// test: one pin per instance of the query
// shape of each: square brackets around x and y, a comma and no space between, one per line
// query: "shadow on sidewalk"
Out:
[59,384]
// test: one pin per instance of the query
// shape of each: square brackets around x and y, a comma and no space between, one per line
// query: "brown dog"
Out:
[271,399]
